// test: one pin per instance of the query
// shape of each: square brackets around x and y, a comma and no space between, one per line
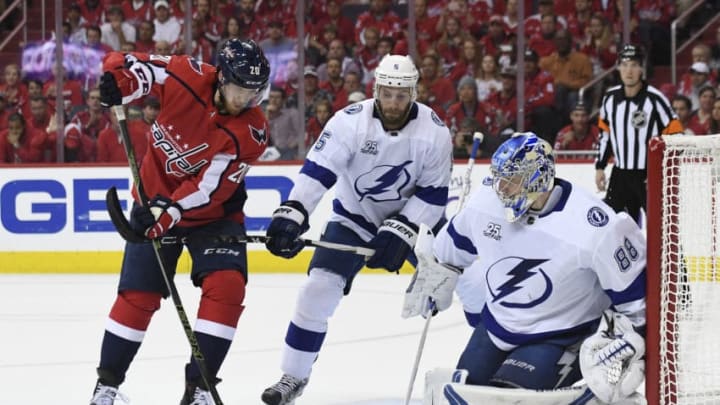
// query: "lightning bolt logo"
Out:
[523,269]
[391,181]
[566,361]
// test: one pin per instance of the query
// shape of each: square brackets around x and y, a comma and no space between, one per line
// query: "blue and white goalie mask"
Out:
[522,168]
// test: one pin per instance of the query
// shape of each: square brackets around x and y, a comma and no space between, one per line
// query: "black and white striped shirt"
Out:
[627,124]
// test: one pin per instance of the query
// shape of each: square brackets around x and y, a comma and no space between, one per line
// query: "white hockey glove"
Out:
[431,288]
[611,360]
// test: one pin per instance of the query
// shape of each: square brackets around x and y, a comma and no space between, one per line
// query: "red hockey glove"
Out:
[165,214]
[125,78]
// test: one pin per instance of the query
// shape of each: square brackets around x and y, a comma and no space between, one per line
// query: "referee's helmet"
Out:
[631,52]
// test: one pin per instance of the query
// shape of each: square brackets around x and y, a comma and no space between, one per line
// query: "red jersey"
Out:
[32,143]
[566,139]
[197,156]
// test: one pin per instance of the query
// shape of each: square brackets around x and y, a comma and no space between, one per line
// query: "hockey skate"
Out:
[107,395]
[195,395]
[284,391]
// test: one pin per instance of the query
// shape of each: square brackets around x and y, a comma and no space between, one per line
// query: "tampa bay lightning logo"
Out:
[353,108]
[436,119]
[512,274]
[597,217]
[383,183]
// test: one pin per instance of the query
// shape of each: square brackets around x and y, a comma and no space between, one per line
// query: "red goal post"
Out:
[683,273]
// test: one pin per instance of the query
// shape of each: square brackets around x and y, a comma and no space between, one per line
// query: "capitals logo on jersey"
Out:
[516,282]
[180,156]
[383,183]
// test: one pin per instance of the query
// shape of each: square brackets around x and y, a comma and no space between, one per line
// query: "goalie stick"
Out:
[477,140]
[189,333]
[123,227]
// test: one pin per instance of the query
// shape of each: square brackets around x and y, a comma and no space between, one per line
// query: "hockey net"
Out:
[683,336]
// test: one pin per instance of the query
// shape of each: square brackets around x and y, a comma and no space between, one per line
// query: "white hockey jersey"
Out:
[378,173]
[551,272]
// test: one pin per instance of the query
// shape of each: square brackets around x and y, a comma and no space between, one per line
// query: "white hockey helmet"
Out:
[396,71]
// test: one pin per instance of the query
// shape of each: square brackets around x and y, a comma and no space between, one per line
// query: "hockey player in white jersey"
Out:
[390,160]
[552,258]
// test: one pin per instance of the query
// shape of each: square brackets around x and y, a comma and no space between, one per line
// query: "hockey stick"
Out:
[123,227]
[192,339]
[477,140]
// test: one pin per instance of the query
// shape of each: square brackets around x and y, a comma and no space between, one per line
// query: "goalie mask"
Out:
[522,169]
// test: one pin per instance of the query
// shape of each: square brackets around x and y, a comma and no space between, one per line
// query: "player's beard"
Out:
[393,118]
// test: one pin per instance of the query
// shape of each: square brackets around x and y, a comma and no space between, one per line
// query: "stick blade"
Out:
[117,216]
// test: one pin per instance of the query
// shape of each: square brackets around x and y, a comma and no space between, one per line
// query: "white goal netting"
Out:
[690,278]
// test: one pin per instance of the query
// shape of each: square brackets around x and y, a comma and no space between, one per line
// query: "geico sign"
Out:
[50,205]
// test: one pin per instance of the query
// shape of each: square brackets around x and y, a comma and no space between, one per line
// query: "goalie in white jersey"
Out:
[552,258]
[390,161]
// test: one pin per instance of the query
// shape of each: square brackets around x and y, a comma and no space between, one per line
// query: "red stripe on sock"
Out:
[134,309]
[223,293]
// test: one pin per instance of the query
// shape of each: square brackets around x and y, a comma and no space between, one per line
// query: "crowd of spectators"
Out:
[466,56]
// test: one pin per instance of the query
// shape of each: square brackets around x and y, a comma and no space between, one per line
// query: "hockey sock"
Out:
[223,293]
[316,302]
[125,329]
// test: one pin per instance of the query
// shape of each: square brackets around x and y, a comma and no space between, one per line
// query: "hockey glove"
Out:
[394,241]
[432,286]
[288,222]
[155,219]
[611,359]
[125,79]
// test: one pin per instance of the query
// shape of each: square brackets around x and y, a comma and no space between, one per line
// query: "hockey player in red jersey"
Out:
[207,132]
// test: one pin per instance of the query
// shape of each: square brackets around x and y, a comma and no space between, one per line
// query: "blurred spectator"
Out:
[700,118]
[250,25]
[200,48]
[580,134]
[599,44]
[578,19]
[140,130]
[137,11]
[425,27]
[316,51]
[117,31]
[128,47]
[543,42]
[210,25]
[337,50]
[715,118]
[232,30]
[488,77]
[496,37]
[92,11]
[351,83]
[442,91]
[145,34]
[274,10]
[570,69]
[4,112]
[469,18]
[312,92]
[533,23]
[279,50]
[283,121]
[72,90]
[423,96]
[654,18]
[463,140]
[451,40]
[335,85]
[466,106]
[110,147]
[167,26]
[163,48]
[93,38]
[368,54]
[344,27]
[82,132]
[316,123]
[715,51]
[699,78]
[682,107]
[469,63]
[380,16]
[77,24]
[502,105]
[34,89]
[12,88]
[510,16]
[20,143]
[540,113]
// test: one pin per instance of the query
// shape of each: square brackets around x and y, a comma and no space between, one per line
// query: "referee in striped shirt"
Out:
[630,115]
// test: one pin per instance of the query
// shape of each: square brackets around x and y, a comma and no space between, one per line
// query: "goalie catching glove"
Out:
[611,360]
[432,286]
[155,219]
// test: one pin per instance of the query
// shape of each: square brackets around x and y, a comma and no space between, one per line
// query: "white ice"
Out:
[52,327]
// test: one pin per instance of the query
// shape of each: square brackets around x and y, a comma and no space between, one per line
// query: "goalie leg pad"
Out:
[436,379]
